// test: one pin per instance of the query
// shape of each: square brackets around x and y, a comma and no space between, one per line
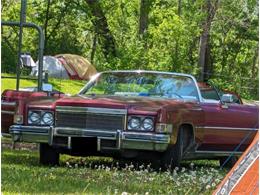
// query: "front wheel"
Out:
[173,155]
[48,155]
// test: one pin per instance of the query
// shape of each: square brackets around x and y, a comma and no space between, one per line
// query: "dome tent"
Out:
[53,66]
[66,66]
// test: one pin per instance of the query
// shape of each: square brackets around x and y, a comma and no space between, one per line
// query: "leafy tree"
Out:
[211,39]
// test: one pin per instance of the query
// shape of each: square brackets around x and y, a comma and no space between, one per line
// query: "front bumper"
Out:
[32,134]
[122,139]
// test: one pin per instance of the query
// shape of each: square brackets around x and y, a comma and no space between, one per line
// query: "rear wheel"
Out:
[48,155]
[228,162]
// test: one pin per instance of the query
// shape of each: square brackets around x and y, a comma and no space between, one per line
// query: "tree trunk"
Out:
[143,20]
[179,7]
[254,65]
[46,25]
[204,52]
[55,28]
[93,50]
[177,40]
[102,30]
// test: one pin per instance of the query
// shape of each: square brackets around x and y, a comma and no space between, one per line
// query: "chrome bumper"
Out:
[123,139]
[32,134]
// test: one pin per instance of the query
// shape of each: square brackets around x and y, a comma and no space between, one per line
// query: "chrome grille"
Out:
[90,118]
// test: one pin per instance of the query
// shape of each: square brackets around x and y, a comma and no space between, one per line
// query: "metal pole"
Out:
[40,57]
[22,20]
[41,46]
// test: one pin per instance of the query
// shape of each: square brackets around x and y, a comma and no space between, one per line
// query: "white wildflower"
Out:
[217,180]
[191,165]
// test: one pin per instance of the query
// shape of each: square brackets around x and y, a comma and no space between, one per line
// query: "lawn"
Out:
[22,174]
[66,86]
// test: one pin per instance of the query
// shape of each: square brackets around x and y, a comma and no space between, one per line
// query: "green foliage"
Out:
[171,42]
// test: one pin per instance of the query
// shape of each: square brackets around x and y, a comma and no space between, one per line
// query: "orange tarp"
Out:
[77,66]
[243,178]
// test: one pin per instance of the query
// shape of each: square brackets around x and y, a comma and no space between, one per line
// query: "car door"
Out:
[228,127]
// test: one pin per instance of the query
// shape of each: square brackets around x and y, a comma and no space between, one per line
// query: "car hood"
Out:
[132,104]
[42,102]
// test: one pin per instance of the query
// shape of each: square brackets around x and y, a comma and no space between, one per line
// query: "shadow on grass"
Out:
[31,158]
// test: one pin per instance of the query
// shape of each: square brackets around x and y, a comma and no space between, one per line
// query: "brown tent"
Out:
[77,66]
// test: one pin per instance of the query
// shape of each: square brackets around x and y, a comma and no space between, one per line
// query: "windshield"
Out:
[143,84]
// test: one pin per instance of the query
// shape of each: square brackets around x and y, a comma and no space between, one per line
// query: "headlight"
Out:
[147,124]
[47,118]
[140,123]
[40,117]
[34,117]
[134,123]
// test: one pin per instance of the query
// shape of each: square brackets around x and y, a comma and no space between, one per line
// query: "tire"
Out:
[230,163]
[48,155]
[173,155]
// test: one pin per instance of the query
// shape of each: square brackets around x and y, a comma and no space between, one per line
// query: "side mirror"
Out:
[227,98]
[47,87]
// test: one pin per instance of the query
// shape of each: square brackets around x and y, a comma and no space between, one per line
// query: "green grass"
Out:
[22,174]
[66,86]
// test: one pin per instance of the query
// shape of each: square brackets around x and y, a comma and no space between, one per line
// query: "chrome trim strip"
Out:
[7,112]
[156,138]
[8,103]
[76,132]
[113,135]
[227,128]
[75,109]
[196,109]
[218,152]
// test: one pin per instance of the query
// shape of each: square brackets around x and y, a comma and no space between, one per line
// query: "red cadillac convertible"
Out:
[153,115]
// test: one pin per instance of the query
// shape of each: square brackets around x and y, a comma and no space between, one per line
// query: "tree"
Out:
[144,12]
[105,37]
[205,51]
